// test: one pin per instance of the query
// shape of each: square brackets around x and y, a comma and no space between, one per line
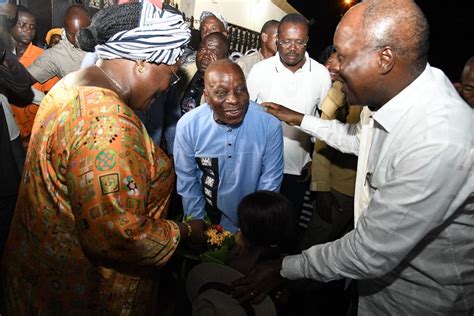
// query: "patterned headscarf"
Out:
[159,38]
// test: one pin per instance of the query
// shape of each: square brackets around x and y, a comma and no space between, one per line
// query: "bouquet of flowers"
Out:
[218,243]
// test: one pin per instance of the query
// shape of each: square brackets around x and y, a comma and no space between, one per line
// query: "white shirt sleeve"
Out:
[341,136]
[418,197]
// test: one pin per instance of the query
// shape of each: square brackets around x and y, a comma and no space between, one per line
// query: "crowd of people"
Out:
[122,144]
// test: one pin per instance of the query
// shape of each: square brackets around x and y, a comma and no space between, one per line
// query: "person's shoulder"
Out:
[263,67]
[36,49]
[258,112]
[189,56]
[56,50]
[62,44]
[319,72]
[195,117]
[186,71]
[242,60]
[67,50]
[266,64]
[441,98]
[317,66]
[63,93]
[251,57]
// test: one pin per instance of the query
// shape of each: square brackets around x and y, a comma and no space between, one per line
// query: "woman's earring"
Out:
[141,68]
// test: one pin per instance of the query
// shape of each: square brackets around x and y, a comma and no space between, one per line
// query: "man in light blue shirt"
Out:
[226,148]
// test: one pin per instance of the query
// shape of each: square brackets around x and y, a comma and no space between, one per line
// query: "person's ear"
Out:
[386,60]
[264,37]
[205,95]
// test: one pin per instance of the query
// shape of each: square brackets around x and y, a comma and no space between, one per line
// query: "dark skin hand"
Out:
[197,240]
[284,114]
[259,282]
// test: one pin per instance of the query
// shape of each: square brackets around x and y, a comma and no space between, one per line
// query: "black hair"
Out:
[326,53]
[108,22]
[294,18]
[268,218]
[269,24]
[22,8]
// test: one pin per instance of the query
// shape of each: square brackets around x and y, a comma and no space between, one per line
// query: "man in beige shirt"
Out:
[66,56]
[268,47]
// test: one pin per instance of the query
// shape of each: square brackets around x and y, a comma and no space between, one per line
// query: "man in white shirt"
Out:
[412,250]
[295,80]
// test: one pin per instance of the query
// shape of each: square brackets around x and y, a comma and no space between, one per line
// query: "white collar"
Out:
[393,111]
[279,67]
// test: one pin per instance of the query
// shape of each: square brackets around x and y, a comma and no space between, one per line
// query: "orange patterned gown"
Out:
[87,236]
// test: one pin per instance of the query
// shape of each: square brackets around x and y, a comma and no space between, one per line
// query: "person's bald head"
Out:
[268,38]
[75,18]
[226,92]
[400,25]
[467,82]
[382,46]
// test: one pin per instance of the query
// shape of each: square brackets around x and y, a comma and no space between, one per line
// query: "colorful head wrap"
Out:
[55,31]
[159,38]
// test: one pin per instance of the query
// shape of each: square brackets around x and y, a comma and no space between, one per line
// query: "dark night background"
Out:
[451,29]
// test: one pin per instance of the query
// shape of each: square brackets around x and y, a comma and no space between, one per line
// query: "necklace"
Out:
[112,80]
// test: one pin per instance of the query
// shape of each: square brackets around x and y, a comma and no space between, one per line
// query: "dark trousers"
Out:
[7,207]
[18,153]
[294,190]
[8,201]
[331,224]
[336,297]
[12,168]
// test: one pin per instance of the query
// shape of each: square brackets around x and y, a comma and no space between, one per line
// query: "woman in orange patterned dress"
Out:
[89,233]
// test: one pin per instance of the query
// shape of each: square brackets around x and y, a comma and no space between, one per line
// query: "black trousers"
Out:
[294,189]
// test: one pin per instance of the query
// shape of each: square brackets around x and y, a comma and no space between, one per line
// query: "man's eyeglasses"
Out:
[174,78]
[288,43]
